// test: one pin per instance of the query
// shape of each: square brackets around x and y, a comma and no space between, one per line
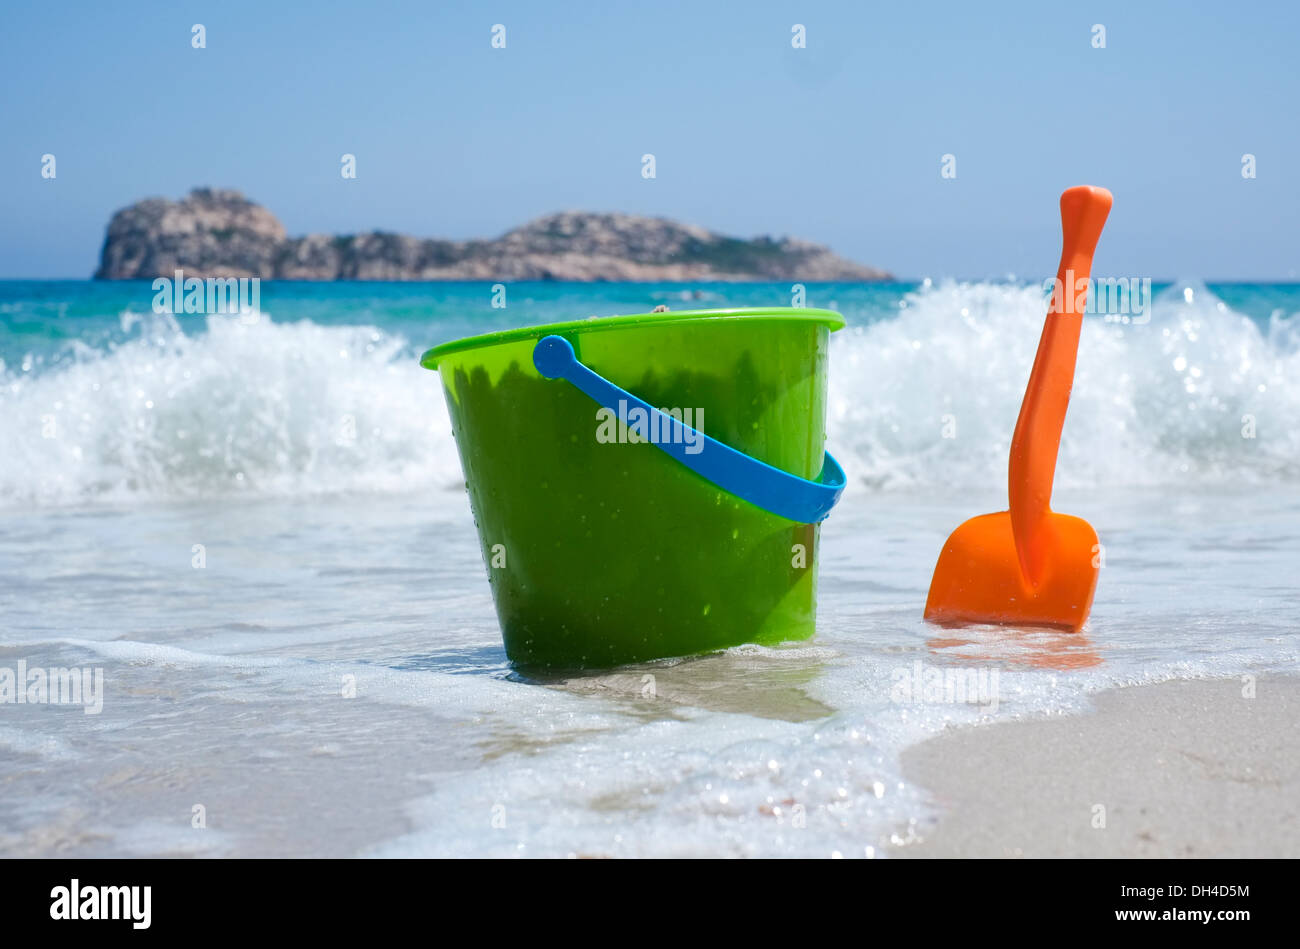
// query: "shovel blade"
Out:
[978,578]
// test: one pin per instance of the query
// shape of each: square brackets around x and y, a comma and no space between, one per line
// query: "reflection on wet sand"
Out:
[1036,648]
[758,681]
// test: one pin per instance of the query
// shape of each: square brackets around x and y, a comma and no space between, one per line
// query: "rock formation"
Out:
[220,233]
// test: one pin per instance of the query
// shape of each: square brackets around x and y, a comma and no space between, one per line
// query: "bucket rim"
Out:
[596,324]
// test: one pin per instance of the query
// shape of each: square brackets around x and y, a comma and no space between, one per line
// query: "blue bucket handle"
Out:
[776,491]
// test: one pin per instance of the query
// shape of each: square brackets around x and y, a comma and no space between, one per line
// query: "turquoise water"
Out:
[45,318]
[255,526]
[319,391]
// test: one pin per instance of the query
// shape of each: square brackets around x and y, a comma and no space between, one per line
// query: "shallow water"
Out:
[224,686]
[324,674]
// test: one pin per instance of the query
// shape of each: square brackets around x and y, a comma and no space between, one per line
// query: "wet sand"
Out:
[1179,769]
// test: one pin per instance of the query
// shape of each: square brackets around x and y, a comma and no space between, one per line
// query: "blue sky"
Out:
[840,142]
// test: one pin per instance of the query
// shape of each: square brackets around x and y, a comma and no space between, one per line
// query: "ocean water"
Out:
[255,529]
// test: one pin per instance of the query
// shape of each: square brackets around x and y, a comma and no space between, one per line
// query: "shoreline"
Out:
[1186,768]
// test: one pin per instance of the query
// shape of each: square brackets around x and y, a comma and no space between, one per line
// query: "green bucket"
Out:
[646,486]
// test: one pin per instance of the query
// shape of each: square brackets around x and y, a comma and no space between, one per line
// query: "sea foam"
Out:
[1199,392]
[927,398]
[247,406]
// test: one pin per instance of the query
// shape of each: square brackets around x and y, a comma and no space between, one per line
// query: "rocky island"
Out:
[220,233]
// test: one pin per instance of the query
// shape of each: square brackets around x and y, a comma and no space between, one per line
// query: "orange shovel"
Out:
[1030,566]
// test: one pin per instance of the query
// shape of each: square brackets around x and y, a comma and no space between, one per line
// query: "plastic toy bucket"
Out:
[613,536]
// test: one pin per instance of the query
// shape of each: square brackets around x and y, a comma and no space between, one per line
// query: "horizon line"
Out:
[680,283]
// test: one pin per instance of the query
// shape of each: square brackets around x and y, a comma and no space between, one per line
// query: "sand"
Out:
[1179,769]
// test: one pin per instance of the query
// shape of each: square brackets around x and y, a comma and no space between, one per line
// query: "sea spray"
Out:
[1168,401]
[242,407]
[181,407]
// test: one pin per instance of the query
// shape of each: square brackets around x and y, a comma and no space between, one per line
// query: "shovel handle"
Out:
[776,491]
[1037,439]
